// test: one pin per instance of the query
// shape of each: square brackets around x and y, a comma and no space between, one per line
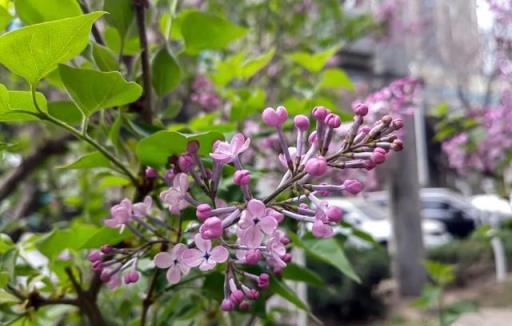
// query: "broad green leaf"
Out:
[4,279]
[112,181]
[326,250]
[115,129]
[202,31]
[104,58]
[6,243]
[65,111]
[280,288]
[246,102]
[121,14]
[175,24]
[6,297]
[129,46]
[93,90]
[19,100]
[252,66]
[104,235]
[37,11]
[88,161]
[34,51]
[155,149]
[165,72]
[313,62]
[336,78]
[299,273]
[228,69]
[5,18]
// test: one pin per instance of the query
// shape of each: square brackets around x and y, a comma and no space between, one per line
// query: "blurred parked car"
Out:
[375,221]
[492,208]
[443,205]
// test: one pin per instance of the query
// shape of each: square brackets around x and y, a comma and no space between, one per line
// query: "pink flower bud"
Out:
[287,257]
[301,122]
[285,240]
[245,305]
[242,177]
[169,176]
[320,112]
[378,157]
[253,256]
[321,230]
[193,146]
[397,123]
[275,214]
[353,186]
[107,249]
[97,266]
[211,228]
[105,275]
[312,137]
[361,109]
[386,120]
[131,277]
[236,296]
[185,162]
[253,294]
[263,280]
[332,120]
[95,255]
[397,145]
[334,214]
[227,305]
[203,211]
[370,165]
[316,166]
[274,118]
[151,172]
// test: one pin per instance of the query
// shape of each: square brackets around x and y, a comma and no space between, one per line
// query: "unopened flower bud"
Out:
[301,122]
[211,228]
[275,214]
[312,137]
[397,145]
[169,176]
[253,294]
[203,211]
[353,186]
[287,257]
[242,177]
[332,120]
[237,296]
[285,240]
[320,112]
[131,277]
[105,275]
[397,123]
[227,305]
[107,249]
[185,162]
[386,120]
[378,156]
[95,255]
[334,214]
[316,166]
[151,172]
[193,146]
[263,280]
[361,109]
[245,305]
[253,256]
[275,118]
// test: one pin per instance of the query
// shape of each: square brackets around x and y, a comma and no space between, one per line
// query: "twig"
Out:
[140,6]
[95,31]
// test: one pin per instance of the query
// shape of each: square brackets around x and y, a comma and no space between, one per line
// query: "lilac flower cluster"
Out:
[486,148]
[250,232]
[204,95]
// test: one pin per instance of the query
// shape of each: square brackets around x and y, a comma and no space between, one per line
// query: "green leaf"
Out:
[112,181]
[278,287]
[65,111]
[165,72]
[34,51]
[104,235]
[313,62]
[4,279]
[37,11]
[299,273]
[104,58]
[6,243]
[6,297]
[88,161]
[202,31]
[93,90]
[130,45]
[121,14]
[246,102]
[328,251]
[336,78]
[252,66]
[5,18]
[155,149]
[19,100]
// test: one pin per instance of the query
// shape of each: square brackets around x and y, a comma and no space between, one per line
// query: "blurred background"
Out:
[430,236]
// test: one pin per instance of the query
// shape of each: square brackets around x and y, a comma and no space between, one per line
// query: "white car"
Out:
[374,220]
